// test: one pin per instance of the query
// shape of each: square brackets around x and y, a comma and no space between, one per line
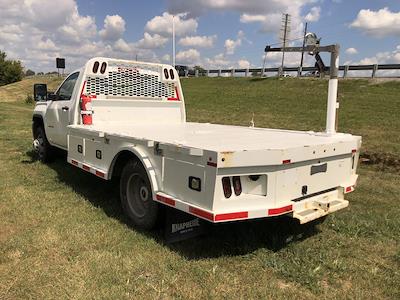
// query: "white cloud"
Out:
[36,36]
[231,45]
[152,41]
[123,46]
[267,13]
[163,24]
[198,41]
[254,7]
[190,57]
[218,61]
[351,51]
[379,23]
[114,28]
[245,18]
[313,15]
[274,59]
[385,57]
[166,58]
[243,64]
[45,13]
[78,28]
[38,31]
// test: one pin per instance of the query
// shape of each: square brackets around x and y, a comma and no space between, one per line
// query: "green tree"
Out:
[29,72]
[10,70]
[202,71]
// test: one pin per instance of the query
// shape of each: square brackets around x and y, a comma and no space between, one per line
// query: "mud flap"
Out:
[181,226]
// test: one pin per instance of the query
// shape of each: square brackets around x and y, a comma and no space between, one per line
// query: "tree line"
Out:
[13,71]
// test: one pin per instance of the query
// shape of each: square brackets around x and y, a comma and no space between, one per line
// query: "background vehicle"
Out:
[127,119]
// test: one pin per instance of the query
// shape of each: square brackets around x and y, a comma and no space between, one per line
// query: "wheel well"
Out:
[120,161]
[36,123]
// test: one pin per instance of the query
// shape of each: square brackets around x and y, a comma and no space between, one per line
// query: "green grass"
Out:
[19,90]
[62,233]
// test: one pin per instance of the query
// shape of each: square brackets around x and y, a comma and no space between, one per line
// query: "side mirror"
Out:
[51,96]
[40,92]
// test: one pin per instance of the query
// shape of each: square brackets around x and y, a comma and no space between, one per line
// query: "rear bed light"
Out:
[226,185]
[286,161]
[237,185]
[95,67]
[166,75]
[103,68]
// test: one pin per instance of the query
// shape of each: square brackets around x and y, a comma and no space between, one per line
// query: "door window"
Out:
[66,89]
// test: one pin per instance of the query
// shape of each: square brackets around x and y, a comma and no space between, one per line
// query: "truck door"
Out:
[58,112]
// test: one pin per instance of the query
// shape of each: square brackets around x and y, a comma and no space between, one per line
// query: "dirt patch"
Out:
[382,159]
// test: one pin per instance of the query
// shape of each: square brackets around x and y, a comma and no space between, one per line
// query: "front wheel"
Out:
[42,146]
[137,196]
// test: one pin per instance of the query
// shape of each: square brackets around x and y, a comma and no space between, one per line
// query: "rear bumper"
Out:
[304,210]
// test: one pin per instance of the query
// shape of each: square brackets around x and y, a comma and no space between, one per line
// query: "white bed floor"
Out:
[220,137]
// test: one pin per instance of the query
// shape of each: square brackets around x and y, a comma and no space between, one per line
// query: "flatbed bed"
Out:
[220,138]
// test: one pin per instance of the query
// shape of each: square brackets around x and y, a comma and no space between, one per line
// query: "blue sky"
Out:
[211,33]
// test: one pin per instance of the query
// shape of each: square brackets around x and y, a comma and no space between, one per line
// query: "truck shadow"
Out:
[227,239]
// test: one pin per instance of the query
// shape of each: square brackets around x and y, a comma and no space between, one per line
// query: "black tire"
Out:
[42,146]
[137,197]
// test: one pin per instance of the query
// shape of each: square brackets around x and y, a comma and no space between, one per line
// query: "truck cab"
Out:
[58,112]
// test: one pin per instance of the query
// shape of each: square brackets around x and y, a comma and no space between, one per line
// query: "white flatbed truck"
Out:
[126,119]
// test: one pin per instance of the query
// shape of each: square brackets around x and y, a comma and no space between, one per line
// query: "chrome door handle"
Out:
[65,108]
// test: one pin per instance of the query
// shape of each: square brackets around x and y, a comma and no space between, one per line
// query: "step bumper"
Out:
[316,208]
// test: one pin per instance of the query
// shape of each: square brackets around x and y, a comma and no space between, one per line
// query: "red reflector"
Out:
[286,161]
[166,200]
[176,98]
[74,162]
[86,168]
[349,189]
[212,164]
[237,185]
[232,216]
[280,210]
[100,174]
[226,186]
[201,213]
[354,151]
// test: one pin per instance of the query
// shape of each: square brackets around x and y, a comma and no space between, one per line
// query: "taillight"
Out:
[237,185]
[226,185]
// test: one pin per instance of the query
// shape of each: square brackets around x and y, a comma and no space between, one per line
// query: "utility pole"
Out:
[173,41]
[302,52]
[285,30]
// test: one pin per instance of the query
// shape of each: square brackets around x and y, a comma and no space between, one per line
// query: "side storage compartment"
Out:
[189,179]
[76,147]
[96,153]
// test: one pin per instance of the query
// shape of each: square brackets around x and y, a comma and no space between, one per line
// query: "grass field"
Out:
[63,235]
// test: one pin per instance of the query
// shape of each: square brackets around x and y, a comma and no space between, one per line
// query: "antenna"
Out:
[173,41]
